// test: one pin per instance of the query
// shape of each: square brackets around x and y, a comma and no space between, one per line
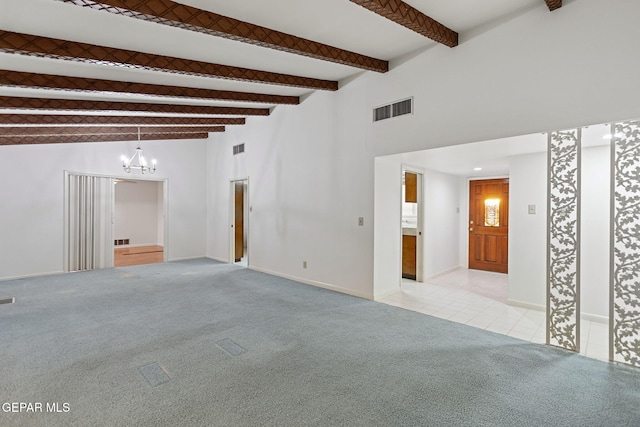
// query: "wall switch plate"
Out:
[304,264]
[360,221]
[532,209]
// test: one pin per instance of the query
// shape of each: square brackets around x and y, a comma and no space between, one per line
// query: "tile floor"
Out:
[478,298]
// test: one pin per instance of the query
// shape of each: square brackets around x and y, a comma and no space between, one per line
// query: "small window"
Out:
[492,213]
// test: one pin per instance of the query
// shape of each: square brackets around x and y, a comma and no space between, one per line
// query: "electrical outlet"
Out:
[304,264]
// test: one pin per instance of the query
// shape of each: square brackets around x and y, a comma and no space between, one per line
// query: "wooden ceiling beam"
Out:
[8,102]
[66,139]
[67,119]
[173,14]
[411,18]
[46,47]
[50,81]
[553,4]
[15,102]
[6,131]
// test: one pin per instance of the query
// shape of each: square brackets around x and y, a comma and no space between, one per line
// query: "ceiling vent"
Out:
[396,109]
[237,149]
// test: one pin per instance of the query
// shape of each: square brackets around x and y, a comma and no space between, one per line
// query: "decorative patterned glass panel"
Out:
[563,237]
[492,213]
[624,316]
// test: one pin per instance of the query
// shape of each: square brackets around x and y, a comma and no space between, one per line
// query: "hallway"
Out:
[479,299]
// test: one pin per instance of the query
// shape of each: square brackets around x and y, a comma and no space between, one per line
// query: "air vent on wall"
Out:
[399,108]
[237,149]
[120,242]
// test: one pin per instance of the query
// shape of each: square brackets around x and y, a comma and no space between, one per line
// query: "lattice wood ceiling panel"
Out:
[409,17]
[46,47]
[64,119]
[11,102]
[554,4]
[173,14]
[6,131]
[65,139]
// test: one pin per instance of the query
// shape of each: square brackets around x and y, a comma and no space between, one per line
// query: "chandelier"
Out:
[128,163]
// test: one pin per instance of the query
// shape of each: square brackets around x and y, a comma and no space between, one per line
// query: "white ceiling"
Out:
[493,156]
[340,23]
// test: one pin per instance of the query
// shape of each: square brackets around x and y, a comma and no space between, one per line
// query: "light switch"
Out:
[360,221]
[532,209]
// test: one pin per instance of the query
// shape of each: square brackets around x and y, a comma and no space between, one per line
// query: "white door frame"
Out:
[165,210]
[232,213]
[165,191]
[420,222]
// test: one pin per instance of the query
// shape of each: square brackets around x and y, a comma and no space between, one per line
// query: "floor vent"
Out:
[396,109]
[7,300]
[154,374]
[120,242]
[231,347]
[237,149]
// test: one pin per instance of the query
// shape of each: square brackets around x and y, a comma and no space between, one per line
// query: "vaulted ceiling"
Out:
[104,70]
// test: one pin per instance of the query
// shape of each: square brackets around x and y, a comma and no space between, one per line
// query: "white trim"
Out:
[442,273]
[218,259]
[526,305]
[421,172]
[28,276]
[189,258]
[595,318]
[232,207]
[378,297]
[314,283]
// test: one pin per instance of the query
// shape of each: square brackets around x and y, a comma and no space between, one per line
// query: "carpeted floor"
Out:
[202,343]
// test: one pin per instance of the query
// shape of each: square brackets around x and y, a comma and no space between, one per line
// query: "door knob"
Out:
[470,228]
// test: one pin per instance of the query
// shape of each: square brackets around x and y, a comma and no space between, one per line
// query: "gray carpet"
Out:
[202,343]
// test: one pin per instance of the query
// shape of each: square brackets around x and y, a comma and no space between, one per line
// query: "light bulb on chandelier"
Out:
[128,163]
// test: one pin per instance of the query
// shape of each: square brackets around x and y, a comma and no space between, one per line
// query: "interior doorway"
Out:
[412,244]
[138,222]
[489,225]
[240,222]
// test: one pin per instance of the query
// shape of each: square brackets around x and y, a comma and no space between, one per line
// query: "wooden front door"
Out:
[489,225]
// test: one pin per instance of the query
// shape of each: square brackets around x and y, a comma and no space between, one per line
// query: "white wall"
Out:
[501,81]
[538,72]
[136,212]
[310,178]
[594,238]
[527,233]
[441,223]
[527,242]
[32,191]
[160,215]
[388,232]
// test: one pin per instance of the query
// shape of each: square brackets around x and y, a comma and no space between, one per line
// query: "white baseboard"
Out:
[185,258]
[28,276]
[442,273]
[527,305]
[314,283]
[584,316]
[595,318]
[378,297]
[226,261]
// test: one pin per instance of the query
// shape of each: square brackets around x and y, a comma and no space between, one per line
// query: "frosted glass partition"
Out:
[624,315]
[563,239]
